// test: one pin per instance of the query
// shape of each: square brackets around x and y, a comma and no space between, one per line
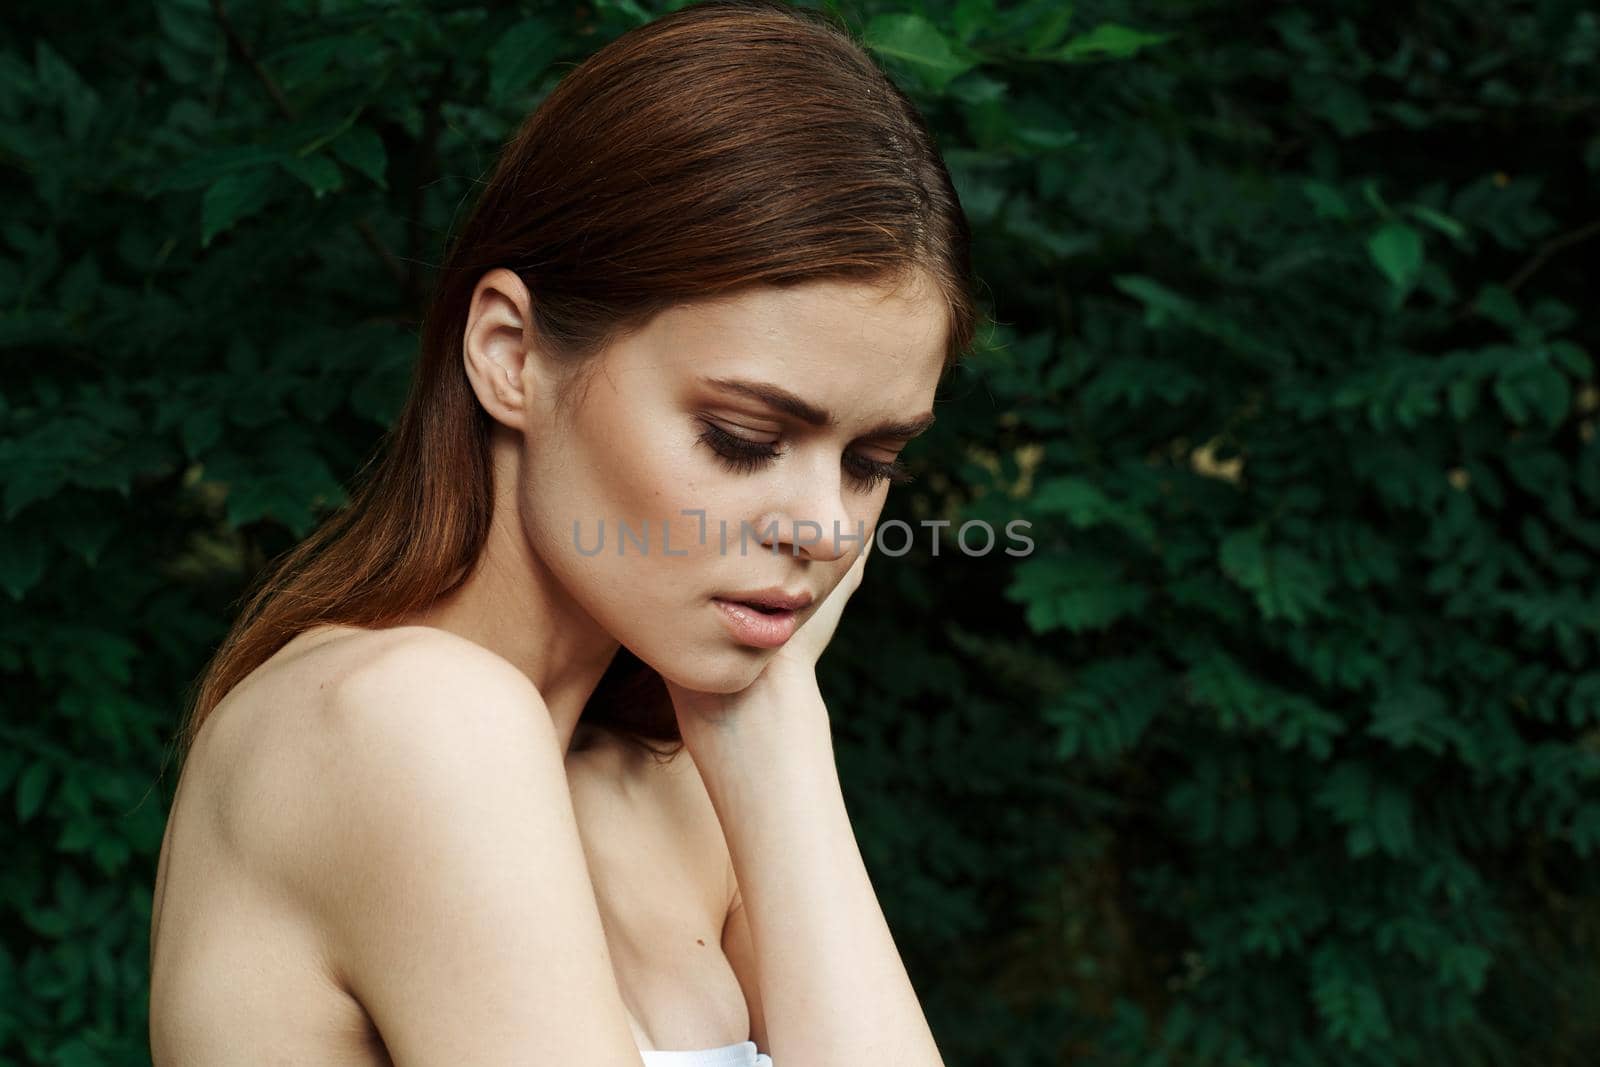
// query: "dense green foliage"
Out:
[1282,745]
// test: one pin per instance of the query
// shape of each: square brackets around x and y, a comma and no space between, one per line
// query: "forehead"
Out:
[852,347]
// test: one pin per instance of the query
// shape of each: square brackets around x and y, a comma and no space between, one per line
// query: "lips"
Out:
[763,618]
[771,600]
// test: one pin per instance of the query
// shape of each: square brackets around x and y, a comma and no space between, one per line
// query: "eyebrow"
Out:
[781,399]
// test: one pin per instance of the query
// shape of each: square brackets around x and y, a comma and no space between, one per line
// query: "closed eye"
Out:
[742,455]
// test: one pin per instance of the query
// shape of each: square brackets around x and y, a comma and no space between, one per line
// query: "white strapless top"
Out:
[738,1054]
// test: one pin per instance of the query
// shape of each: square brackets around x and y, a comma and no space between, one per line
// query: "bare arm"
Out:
[831,989]
[443,863]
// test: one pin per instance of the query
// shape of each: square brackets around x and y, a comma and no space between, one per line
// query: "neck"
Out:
[512,605]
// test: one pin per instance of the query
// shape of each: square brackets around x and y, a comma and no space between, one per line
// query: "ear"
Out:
[494,348]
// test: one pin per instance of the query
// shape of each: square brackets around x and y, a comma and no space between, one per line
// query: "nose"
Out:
[813,518]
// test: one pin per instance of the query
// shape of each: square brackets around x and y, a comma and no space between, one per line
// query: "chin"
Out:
[718,674]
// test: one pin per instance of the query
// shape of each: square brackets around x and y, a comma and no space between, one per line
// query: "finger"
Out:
[858,566]
[858,569]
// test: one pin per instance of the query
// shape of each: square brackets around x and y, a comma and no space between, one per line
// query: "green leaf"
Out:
[361,148]
[1244,703]
[232,199]
[1574,359]
[971,16]
[28,484]
[31,788]
[1397,250]
[212,166]
[1498,304]
[201,429]
[919,44]
[1583,702]
[1326,201]
[57,81]
[1046,35]
[1163,304]
[111,854]
[1287,584]
[1532,388]
[1391,820]
[1333,98]
[1109,40]
[1085,506]
[1349,1003]
[628,12]
[1411,713]
[189,26]
[1078,592]
[320,174]
[523,55]
[79,834]
[1439,221]
[1108,707]
[23,558]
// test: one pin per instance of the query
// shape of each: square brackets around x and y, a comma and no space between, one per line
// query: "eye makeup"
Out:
[742,455]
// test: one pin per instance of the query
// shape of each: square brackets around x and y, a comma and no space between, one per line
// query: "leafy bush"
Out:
[1281,745]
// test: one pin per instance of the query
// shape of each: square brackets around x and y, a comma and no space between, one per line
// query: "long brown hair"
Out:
[726,145]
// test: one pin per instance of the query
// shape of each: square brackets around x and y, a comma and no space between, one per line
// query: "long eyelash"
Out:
[872,471]
[741,455]
[736,453]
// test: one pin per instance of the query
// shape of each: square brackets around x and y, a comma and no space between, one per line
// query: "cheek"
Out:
[622,461]
[644,472]
[648,476]
[672,479]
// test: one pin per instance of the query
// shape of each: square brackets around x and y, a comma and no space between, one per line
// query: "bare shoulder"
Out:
[428,679]
[322,707]
[423,728]
[321,685]
[439,855]
[412,651]
[428,728]
[297,736]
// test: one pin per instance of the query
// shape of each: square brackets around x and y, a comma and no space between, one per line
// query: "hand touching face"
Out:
[780,411]
[801,652]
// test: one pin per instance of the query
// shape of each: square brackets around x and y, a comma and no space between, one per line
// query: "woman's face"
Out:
[672,438]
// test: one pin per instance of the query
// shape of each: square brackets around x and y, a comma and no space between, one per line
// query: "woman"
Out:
[708,293]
